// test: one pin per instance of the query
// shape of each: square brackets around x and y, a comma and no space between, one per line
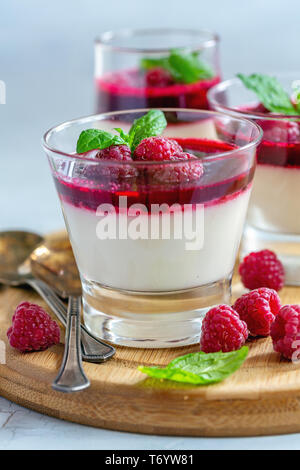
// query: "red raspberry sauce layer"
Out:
[127,90]
[89,195]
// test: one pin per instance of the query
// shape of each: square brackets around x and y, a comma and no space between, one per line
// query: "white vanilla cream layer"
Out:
[159,264]
[275,200]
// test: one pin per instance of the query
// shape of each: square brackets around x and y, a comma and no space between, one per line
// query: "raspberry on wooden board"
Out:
[285,331]
[262,269]
[222,330]
[258,309]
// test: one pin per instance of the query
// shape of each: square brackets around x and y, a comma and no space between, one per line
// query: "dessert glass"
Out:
[273,219]
[121,84]
[155,243]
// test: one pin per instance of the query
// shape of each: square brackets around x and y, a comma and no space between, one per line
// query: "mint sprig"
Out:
[151,124]
[199,368]
[184,66]
[270,93]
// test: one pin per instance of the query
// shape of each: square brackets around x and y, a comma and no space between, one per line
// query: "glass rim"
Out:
[216,156]
[226,84]
[104,38]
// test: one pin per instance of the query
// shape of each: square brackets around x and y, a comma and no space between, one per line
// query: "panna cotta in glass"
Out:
[274,210]
[154,203]
[155,68]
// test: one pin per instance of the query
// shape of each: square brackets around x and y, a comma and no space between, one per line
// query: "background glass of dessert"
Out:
[153,290]
[155,68]
[273,219]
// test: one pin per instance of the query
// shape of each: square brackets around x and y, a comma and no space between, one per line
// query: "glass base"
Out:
[286,246]
[150,320]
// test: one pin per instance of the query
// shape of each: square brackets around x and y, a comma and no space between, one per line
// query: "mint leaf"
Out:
[148,64]
[200,368]
[96,139]
[163,63]
[270,93]
[123,134]
[151,124]
[184,66]
[296,94]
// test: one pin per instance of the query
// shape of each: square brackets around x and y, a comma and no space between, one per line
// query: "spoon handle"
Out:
[71,377]
[50,297]
[93,350]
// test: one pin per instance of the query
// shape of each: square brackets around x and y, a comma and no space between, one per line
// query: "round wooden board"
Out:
[263,397]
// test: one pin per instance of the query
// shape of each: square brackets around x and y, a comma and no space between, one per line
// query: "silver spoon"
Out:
[15,270]
[71,376]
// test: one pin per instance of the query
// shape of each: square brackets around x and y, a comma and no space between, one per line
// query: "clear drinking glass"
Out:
[274,210]
[155,242]
[123,82]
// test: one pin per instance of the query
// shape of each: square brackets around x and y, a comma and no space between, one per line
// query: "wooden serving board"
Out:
[263,397]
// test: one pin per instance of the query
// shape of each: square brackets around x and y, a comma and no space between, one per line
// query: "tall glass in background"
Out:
[274,209]
[128,76]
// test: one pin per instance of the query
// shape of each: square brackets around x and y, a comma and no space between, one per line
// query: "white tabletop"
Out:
[24,429]
[46,60]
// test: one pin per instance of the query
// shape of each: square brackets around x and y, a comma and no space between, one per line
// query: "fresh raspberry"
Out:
[158,78]
[258,309]
[120,153]
[32,329]
[170,174]
[285,331]
[262,269]
[157,149]
[165,149]
[222,330]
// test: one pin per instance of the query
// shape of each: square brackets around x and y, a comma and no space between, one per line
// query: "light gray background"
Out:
[46,60]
